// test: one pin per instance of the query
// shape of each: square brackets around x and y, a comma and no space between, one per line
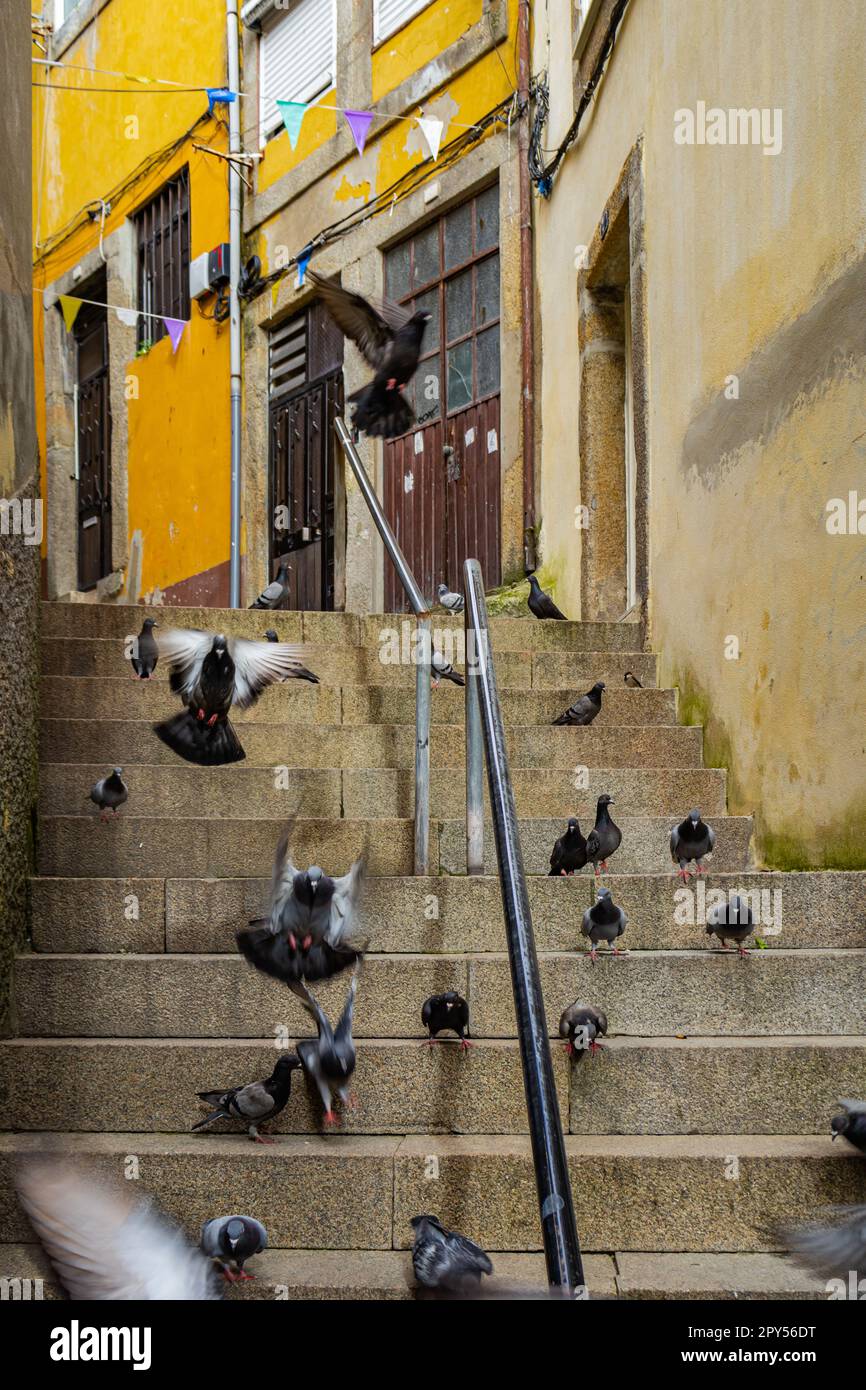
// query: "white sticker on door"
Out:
[492,442]
[408,482]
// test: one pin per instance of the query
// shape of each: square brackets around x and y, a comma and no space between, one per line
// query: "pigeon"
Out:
[731,921]
[390,339]
[605,838]
[254,1103]
[109,793]
[448,1010]
[455,603]
[230,1241]
[604,922]
[330,1059]
[145,654]
[584,710]
[212,673]
[443,670]
[313,930]
[106,1246]
[691,840]
[569,852]
[274,595]
[581,1024]
[270,635]
[832,1251]
[298,672]
[541,605]
[632,681]
[852,1124]
[444,1261]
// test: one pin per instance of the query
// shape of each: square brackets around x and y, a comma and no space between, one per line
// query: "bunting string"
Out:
[71,303]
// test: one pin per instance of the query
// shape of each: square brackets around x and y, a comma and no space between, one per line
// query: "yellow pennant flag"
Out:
[70,307]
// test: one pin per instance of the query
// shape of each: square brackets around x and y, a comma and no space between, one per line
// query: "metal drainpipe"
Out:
[234,83]
[527,296]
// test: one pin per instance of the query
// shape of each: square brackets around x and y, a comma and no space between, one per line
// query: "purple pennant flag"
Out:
[175,329]
[359,124]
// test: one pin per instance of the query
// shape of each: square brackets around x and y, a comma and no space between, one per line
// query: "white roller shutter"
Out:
[298,56]
[388,15]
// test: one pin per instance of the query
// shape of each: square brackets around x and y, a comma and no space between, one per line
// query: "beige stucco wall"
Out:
[754,268]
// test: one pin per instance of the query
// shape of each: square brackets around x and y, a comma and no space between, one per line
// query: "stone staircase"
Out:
[703,1126]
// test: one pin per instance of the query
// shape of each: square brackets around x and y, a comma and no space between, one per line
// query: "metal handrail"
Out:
[423,647]
[484,722]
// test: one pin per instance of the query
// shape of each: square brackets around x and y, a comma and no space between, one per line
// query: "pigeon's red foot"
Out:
[263,1139]
[595,1047]
[569,1047]
[428,1042]
[699,868]
[593,955]
[683,874]
[465,1044]
[243,1276]
[307,942]
[293,942]
[330,1118]
[213,719]
[391,384]
[616,952]
[743,951]
[229,1277]
[199,715]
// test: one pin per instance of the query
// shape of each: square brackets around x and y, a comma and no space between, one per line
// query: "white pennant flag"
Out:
[128,317]
[431,129]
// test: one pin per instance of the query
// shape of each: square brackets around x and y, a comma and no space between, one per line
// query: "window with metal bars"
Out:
[162,229]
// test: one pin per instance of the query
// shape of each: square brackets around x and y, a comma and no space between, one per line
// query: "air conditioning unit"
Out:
[209,271]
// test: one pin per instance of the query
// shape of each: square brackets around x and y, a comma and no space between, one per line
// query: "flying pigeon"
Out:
[691,840]
[313,930]
[632,681]
[852,1124]
[569,852]
[390,339]
[605,838]
[832,1251]
[109,793]
[581,1024]
[232,1240]
[254,1103]
[731,921]
[541,605]
[584,710]
[330,1058]
[443,670]
[450,1011]
[274,595]
[604,922]
[107,1247]
[212,673]
[298,672]
[455,603]
[145,654]
[444,1261]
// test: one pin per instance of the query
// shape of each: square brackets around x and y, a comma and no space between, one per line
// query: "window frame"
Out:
[152,330]
[270,128]
[380,36]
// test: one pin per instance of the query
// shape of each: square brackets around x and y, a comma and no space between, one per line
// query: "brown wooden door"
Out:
[94,444]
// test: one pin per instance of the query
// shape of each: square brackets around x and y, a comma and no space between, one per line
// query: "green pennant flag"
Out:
[293,113]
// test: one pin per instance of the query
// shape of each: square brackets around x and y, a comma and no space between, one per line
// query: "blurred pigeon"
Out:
[445,1261]
[691,840]
[852,1124]
[232,1240]
[832,1251]
[271,636]
[330,1059]
[584,710]
[583,1023]
[604,922]
[731,921]
[104,1245]
[109,793]
[145,654]
[254,1103]
[605,838]
[443,670]
[455,603]
[212,673]
[541,605]
[275,594]
[298,673]
[450,1011]
[390,339]
[569,852]
[632,681]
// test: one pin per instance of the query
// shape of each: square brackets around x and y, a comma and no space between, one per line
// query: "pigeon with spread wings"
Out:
[329,1059]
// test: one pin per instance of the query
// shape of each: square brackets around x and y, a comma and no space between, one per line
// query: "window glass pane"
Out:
[397,272]
[487,291]
[429,303]
[458,236]
[487,219]
[428,389]
[487,347]
[427,255]
[458,305]
[459,376]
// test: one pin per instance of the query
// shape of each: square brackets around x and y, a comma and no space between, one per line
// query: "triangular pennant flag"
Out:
[303,262]
[70,307]
[293,113]
[175,330]
[128,317]
[431,129]
[359,124]
[222,94]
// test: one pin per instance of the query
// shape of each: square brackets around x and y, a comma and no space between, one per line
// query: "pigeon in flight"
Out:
[109,793]
[390,339]
[455,603]
[581,1025]
[584,710]
[298,672]
[605,838]
[541,605]
[211,673]
[731,921]
[604,922]
[274,595]
[444,1261]
[632,681]
[443,670]
[232,1240]
[329,1059]
[254,1103]
[852,1123]
[270,635]
[569,852]
[691,840]
[145,653]
[832,1251]
[449,1010]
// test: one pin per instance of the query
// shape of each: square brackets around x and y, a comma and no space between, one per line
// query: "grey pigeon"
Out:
[852,1124]
[109,793]
[604,921]
[455,603]
[584,710]
[569,852]
[690,841]
[146,652]
[329,1059]
[731,921]
[632,681]
[273,595]
[444,1261]
[298,673]
[605,838]
[232,1240]
[836,1251]
[270,635]
[254,1103]
[541,605]
[581,1024]
[449,1010]
[443,670]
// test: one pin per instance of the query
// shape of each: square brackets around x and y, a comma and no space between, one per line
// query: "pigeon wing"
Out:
[832,1250]
[185,650]
[467,1257]
[260,664]
[344,904]
[711,839]
[285,872]
[368,328]
[253,1101]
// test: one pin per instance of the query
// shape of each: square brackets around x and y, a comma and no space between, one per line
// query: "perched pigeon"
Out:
[541,605]
[274,595]
[109,793]
[455,603]
[390,339]
[832,1251]
[443,670]
[731,921]
[107,1247]
[584,710]
[852,1124]
[581,1024]
[605,838]
[445,1261]
[691,840]
[632,681]
[232,1240]
[450,1011]
[604,922]
[212,673]
[569,852]
[270,635]
[146,652]
[330,1058]
[254,1103]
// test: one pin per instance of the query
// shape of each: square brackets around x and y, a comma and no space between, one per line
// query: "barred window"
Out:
[162,229]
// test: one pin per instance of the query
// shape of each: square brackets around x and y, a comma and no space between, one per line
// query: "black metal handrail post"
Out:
[556,1207]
